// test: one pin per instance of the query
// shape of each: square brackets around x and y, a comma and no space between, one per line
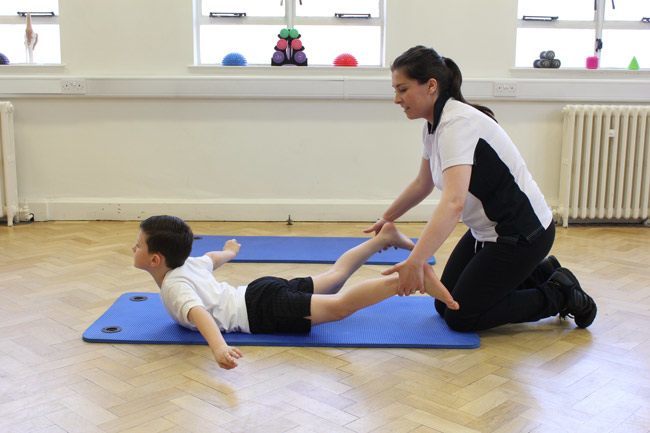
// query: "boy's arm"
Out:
[224,355]
[230,251]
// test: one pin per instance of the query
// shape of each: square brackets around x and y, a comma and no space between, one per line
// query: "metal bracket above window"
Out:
[354,16]
[539,18]
[227,14]
[36,14]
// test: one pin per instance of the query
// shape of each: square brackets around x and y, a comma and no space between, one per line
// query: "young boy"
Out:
[196,300]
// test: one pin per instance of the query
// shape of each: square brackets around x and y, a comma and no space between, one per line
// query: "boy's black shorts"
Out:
[276,305]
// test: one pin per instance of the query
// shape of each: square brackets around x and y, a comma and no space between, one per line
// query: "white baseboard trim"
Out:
[115,209]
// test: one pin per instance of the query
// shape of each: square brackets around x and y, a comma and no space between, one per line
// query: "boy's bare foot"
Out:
[394,238]
[435,288]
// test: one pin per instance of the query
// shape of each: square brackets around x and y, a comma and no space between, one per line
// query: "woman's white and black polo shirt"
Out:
[504,203]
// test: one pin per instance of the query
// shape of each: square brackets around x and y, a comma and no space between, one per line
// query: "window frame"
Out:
[36,21]
[290,20]
[19,20]
[598,24]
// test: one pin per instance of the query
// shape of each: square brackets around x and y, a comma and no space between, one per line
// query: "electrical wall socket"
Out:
[73,86]
[505,89]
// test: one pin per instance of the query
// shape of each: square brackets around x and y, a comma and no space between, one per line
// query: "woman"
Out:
[497,272]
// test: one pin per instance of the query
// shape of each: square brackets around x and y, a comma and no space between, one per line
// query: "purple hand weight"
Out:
[278,57]
[299,57]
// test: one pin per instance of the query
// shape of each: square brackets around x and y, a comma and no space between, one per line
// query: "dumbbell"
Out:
[547,60]
[550,55]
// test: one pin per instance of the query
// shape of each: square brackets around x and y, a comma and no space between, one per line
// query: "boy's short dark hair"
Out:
[170,236]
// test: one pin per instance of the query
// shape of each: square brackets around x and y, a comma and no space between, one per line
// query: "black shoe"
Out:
[578,305]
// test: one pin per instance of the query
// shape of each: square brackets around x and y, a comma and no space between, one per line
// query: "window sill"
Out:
[35,68]
[564,73]
[285,71]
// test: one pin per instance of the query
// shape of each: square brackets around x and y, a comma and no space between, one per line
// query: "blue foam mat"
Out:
[396,322]
[294,249]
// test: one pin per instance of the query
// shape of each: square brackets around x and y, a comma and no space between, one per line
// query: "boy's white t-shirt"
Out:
[193,284]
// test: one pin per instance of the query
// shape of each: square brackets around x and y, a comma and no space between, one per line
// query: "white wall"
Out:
[478,35]
[93,157]
[126,37]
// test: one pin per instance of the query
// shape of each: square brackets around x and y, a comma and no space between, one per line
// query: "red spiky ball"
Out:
[345,59]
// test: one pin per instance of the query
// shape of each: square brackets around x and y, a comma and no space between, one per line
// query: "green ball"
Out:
[294,34]
[284,33]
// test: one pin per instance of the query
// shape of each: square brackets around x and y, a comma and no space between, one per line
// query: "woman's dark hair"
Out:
[169,236]
[421,64]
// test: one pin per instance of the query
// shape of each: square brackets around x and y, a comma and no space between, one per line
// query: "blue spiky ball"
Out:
[4,60]
[233,59]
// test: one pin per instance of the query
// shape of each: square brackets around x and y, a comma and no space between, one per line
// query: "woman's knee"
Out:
[459,322]
[440,307]
[454,318]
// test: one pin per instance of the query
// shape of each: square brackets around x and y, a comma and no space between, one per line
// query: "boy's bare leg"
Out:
[333,279]
[329,308]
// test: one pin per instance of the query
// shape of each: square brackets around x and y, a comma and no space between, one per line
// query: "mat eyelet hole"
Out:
[111,329]
[138,298]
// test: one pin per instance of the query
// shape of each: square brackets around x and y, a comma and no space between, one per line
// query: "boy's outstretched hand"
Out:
[232,245]
[229,252]
[226,356]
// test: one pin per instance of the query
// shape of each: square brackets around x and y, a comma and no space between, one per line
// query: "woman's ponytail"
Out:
[455,83]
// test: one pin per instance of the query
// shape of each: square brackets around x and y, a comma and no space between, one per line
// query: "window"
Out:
[327,28]
[45,23]
[571,29]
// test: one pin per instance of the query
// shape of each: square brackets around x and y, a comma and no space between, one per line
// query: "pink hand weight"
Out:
[281,45]
[592,62]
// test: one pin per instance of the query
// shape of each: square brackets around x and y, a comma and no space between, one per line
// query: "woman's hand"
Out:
[411,276]
[376,227]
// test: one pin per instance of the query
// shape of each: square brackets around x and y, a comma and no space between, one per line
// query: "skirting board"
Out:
[221,210]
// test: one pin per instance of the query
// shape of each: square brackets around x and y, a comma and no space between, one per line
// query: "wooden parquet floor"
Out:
[56,278]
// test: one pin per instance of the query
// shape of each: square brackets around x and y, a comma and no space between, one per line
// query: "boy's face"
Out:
[141,256]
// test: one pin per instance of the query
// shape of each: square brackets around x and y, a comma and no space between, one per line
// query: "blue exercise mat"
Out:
[396,322]
[293,249]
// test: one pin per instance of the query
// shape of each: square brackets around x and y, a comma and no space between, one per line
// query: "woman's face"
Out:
[416,99]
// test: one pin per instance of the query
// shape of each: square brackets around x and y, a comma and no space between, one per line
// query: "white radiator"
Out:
[605,171]
[8,178]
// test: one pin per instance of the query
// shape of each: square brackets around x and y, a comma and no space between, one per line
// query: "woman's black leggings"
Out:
[497,283]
